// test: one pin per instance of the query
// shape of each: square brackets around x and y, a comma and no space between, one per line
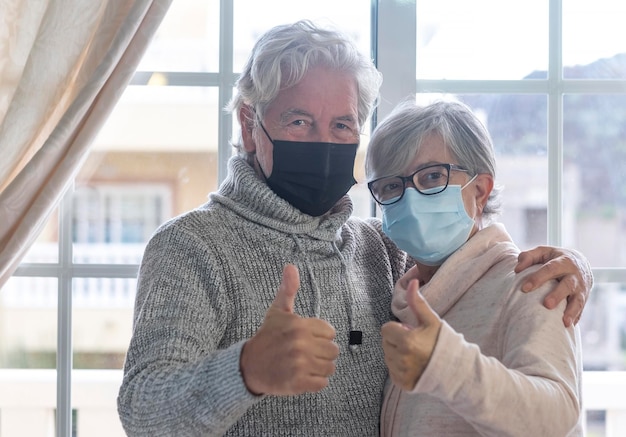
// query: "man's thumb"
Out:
[286,295]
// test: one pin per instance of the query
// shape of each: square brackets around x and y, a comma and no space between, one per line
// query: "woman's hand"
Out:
[408,350]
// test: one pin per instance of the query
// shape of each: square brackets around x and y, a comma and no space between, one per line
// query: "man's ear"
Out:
[484,184]
[246,121]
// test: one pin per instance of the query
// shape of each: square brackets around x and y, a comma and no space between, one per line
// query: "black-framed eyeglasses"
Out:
[429,180]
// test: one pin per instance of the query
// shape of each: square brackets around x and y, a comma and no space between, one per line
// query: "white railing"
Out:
[91,292]
[88,253]
[28,399]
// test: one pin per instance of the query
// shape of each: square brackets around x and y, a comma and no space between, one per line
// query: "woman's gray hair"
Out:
[283,55]
[398,138]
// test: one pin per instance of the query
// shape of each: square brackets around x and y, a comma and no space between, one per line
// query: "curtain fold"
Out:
[63,66]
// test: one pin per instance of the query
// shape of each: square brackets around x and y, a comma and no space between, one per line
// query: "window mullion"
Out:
[64,319]
[396,53]
[224,149]
[555,124]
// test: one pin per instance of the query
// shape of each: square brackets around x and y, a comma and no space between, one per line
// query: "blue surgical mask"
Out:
[429,228]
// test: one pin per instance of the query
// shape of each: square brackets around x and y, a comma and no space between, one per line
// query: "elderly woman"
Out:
[472,354]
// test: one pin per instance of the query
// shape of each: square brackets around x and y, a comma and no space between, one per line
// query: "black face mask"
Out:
[311,176]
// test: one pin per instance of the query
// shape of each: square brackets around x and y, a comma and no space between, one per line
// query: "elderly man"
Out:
[259,313]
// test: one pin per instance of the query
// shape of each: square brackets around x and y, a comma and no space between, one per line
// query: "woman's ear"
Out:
[484,184]
[246,121]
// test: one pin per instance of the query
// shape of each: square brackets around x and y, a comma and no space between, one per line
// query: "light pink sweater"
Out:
[503,365]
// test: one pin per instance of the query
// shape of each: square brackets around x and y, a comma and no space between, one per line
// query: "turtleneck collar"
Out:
[247,195]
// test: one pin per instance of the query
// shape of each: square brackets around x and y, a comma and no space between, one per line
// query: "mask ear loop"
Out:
[480,207]
[469,182]
[264,130]
[269,138]
[260,168]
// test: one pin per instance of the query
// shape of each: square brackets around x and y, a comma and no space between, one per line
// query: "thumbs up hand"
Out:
[408,350]
[286,296]
[289,354]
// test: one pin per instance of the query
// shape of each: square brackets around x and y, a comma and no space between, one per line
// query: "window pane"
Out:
[102,318]
[28,344]
[603,328]
[594,136]
[187,39]
[162,118]
[518,127]
[155,158]
[102,315]
[253,17]
[482,39]
[28,323]
[593,43]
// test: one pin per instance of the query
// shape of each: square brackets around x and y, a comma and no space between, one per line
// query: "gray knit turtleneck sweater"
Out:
[206,280]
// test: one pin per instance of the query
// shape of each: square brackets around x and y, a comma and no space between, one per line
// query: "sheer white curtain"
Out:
[63,66]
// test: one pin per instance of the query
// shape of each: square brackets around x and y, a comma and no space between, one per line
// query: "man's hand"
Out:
[289,354]
[572,271]
[408,350]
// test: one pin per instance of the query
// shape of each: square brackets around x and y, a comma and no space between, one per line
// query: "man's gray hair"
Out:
[284,54]
[398,138]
